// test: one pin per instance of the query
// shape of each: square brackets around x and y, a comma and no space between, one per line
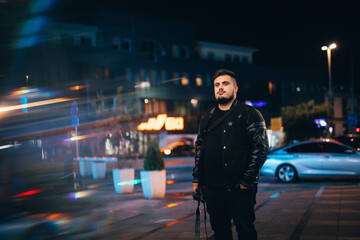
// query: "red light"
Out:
[85,157]
[28,193]
[357,129]
[104,157]
[95,157]
[78,157]
[113,157]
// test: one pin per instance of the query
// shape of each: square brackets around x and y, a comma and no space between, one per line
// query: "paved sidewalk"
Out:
[295,212]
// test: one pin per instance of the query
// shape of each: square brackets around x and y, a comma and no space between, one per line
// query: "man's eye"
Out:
[226,83]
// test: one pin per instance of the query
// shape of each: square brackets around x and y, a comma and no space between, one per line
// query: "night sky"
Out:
[287,33]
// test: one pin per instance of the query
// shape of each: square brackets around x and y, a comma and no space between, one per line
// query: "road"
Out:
[311,209]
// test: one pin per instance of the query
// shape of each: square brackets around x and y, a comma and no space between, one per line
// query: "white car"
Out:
[316,158]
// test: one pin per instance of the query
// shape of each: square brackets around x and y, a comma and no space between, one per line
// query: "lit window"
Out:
[198,81]
[184,81]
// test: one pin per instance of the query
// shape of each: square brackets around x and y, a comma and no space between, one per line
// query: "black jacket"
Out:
[245,144]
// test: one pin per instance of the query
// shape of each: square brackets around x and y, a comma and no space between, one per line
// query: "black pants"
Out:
[238,205]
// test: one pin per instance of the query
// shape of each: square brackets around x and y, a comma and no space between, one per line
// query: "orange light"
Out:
[95,157]
[35,104]
[171,123]
[171,146]
[78,87]
[86,157]
[78,157]
[104,157]
[173,204]
[170,182]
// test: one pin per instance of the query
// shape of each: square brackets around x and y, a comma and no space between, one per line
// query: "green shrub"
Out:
[153,159]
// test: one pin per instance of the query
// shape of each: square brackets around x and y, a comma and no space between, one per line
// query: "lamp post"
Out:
[328,50]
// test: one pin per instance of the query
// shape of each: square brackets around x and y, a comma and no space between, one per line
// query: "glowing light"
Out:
[171,146]
[9,146]
[298,89]
[54,216]
[28,193]
[321,122]
[198,81]
[324,48]
[143,85]
[171,123]
[170,181]
[332,46]
[24,91]
[194,102]
[78,87]
[81,194]
[167,151]
[184,81]
[173,205]
[136,181]
[35,104]
[357,129]
[73,138]
[256,104]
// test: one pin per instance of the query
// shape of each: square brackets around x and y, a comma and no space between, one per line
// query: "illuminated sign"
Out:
[171,123]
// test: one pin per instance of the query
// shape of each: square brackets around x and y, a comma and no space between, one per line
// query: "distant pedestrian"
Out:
[231,147]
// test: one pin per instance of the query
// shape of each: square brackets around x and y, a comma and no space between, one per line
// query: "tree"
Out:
[298,121]
[153,159]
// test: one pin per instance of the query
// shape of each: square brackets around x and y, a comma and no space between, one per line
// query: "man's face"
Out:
[225,89]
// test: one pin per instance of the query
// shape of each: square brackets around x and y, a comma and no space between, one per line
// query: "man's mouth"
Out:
[221,92]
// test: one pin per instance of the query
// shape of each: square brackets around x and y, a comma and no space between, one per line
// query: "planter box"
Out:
[98,170]
[85,168]
[153,183]
[124,180]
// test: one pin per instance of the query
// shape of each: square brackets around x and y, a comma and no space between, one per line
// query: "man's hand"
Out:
[242,186]
[195,186]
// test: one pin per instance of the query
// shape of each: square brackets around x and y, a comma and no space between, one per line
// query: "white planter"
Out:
[98,170]
[124,180]
[153,183]
[85,168]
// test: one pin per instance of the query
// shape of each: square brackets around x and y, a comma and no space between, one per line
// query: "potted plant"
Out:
[123,179]
[153,177]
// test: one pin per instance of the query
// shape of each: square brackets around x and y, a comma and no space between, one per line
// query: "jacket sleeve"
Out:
[259,147]
[198,148]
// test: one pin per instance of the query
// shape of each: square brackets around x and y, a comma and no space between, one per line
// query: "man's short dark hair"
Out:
[222,72]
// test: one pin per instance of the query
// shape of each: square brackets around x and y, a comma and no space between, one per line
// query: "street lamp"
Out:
[328,50]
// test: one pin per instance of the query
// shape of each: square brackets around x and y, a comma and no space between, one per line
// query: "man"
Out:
[231,147]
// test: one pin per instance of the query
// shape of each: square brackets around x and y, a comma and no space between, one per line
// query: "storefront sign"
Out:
[171,123]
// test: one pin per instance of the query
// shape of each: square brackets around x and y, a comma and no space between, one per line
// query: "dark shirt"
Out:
[213,162]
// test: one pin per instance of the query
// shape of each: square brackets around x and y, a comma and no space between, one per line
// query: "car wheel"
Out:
[286,173]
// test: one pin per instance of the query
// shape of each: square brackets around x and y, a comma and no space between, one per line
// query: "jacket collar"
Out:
[217,122]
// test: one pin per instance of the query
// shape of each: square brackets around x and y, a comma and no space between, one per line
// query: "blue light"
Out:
[256,104]
[275,195]
[27,42]
[41,6]
[33,26]
[23,100]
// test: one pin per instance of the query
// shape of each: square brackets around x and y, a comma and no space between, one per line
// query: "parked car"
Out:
[353,140]
[317,158]
[178,149]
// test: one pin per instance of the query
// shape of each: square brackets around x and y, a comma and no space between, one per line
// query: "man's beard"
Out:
[224,100]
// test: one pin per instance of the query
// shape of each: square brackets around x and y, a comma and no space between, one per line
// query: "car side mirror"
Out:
[349,151]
